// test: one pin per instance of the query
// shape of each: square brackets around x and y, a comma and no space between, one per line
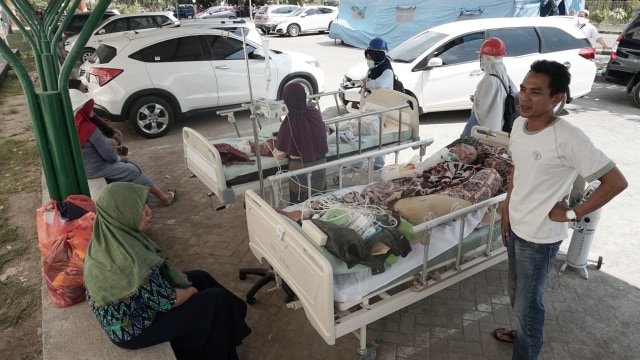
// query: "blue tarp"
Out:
[359,21]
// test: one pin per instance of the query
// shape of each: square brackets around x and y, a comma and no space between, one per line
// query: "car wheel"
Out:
[636,94]
[189,16]
[558,109]
[86,54]
[293,30]
[151,117]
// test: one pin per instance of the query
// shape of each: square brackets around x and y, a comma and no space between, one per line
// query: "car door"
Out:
[231,72]
[448,87]
[181,67]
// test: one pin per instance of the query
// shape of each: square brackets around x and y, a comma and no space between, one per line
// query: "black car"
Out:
[185,11]
[624,65]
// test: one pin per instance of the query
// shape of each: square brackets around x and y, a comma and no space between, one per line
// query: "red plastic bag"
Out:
[63,245]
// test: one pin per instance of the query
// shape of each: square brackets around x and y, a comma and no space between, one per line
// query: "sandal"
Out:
[504,335]
[174,196]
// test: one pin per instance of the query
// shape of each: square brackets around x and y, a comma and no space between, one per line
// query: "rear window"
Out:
[104,54]
[554,39]
[632,32]
[173,50]
[518,41]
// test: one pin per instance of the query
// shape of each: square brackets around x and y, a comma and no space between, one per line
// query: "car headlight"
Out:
[69,42]
[314,63]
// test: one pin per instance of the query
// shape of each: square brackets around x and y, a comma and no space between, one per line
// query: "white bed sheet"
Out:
[353,286]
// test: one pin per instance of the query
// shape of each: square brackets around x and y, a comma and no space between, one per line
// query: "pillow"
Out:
[419,209]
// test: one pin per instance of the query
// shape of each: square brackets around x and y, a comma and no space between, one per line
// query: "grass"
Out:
[19,172]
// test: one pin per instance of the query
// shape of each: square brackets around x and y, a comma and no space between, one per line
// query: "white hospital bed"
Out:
[400,123]
[320,290]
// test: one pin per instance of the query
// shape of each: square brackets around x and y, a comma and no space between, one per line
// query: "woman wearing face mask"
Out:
[379,76]
[488,99]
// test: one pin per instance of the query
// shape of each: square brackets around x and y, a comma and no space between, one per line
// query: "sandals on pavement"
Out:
[504,335]
[174,196]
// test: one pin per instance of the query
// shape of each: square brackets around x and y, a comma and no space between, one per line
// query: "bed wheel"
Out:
[599,263]
[370,352]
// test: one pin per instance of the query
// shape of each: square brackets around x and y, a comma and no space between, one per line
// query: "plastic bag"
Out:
[63,244]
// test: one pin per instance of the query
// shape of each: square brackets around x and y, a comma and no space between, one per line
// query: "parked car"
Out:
[624,64]
[79,20]
[155,77]
[225,12]
[235,26]
[267,16]
[120,24]
[306,19]
[440,66]
[185,11]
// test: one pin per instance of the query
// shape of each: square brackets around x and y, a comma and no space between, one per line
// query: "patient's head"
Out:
[465,153]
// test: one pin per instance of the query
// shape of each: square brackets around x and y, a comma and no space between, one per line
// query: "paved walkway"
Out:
[586,319]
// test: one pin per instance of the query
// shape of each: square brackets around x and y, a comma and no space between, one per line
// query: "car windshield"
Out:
[415,46]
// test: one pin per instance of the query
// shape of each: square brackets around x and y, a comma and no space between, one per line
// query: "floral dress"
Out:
[126,318]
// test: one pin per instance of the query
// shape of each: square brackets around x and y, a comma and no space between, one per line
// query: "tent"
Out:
[359,21]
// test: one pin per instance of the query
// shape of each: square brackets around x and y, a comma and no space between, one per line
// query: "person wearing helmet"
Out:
[379,76]
[488,99]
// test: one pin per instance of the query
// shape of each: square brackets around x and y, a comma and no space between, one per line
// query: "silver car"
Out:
[268,16]
[213,12]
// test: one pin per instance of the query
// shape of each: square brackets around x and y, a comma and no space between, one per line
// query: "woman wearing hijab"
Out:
[379,76]
[488,99]
[99,158]
[141,299]
[303,138]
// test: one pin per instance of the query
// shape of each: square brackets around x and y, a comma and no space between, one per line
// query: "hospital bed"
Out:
[398,118]
[338,300]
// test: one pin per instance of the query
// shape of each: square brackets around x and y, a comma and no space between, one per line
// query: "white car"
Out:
[120,24]
[440,66]
[268,15]
[154,78]
[306,20]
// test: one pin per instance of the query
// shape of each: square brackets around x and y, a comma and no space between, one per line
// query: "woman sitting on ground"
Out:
[303,138]
[101,160]
[141,299]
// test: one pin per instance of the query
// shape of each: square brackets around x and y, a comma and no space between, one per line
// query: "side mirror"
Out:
[303,15]
[101,32]
[259,53]
[434,62]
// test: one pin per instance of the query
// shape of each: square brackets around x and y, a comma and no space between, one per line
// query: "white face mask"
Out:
[450,157]
[371,64]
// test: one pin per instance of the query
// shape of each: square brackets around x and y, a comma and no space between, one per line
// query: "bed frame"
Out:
[204,160]
[278,241]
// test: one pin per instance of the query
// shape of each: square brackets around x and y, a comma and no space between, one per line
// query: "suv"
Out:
[155,77]
[118,25]
[624,65]
[185,11]
[440,66]
[267,16]
[306,20]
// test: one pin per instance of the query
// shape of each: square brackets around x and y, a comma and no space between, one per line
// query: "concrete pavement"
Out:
[586,319]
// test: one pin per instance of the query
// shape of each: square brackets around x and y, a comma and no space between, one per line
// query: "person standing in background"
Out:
[589,30]
[488,99]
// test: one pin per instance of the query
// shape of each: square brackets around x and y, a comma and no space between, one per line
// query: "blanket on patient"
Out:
[468,182]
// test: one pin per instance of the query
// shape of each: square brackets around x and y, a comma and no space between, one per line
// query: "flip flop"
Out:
[504,335]
[174,196]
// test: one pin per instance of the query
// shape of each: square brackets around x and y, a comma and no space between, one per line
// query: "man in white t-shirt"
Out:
[589,30]
[548,153]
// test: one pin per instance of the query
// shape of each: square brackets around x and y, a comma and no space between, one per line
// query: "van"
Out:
[623,67]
